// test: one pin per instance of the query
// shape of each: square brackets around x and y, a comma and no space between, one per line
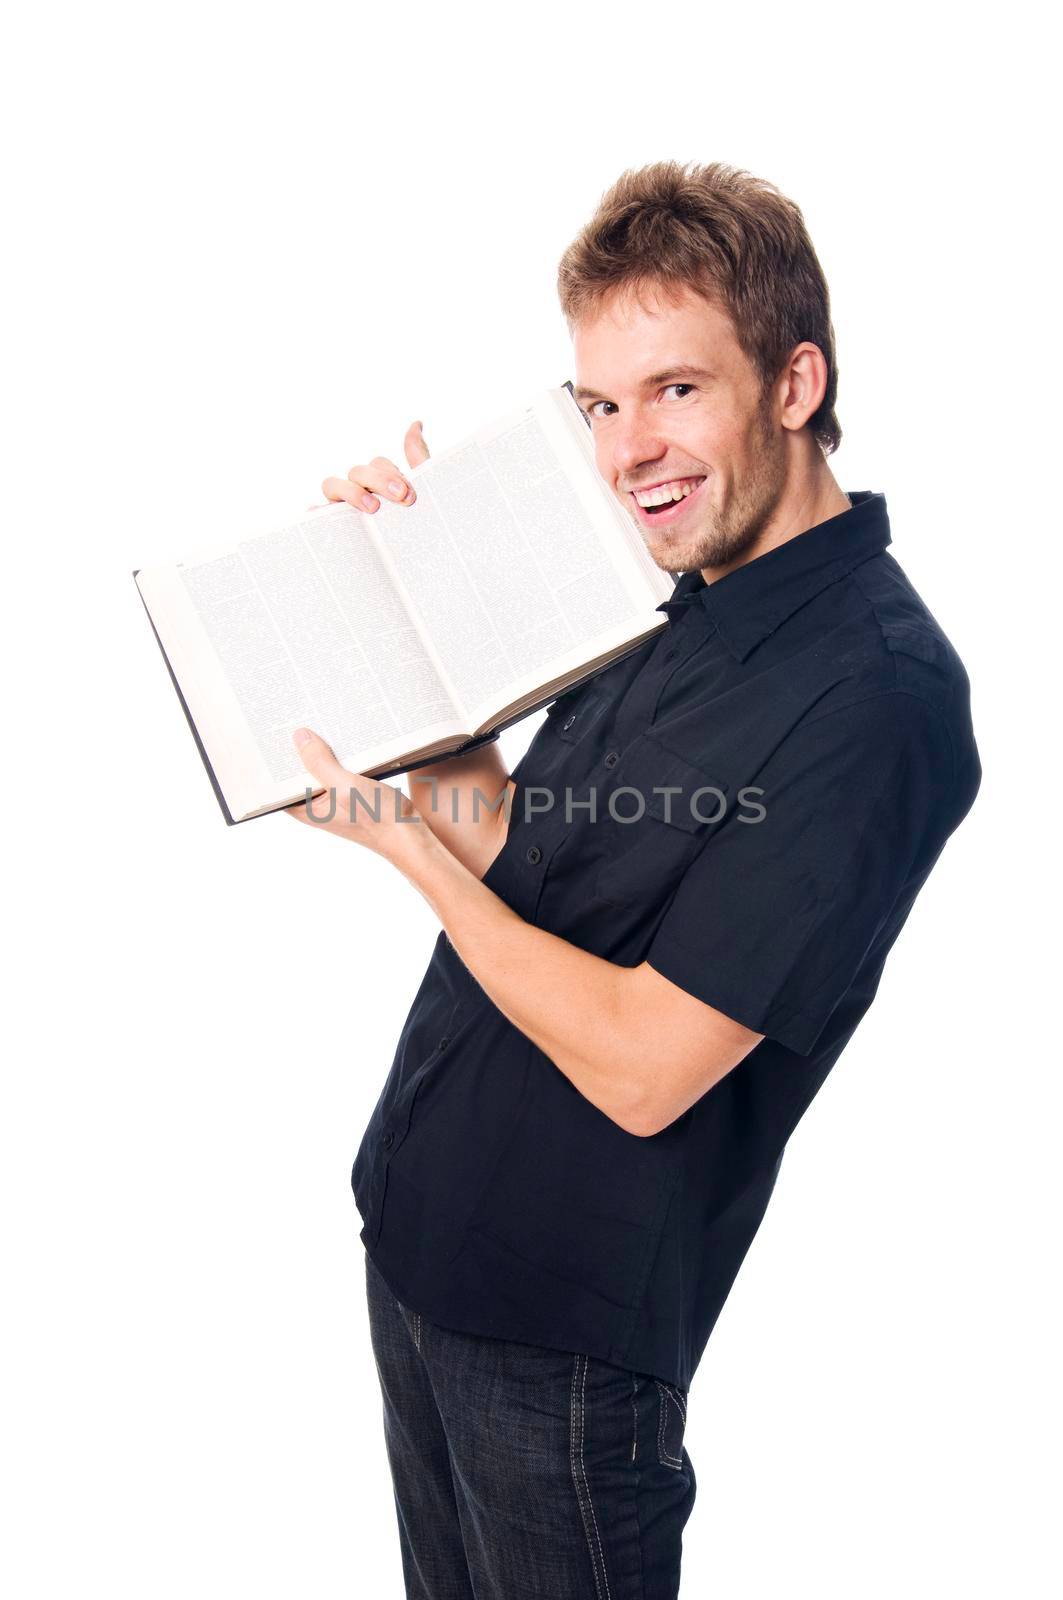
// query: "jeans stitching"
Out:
[635,1413]
[665,1458]
[576,1414]
[590,1502]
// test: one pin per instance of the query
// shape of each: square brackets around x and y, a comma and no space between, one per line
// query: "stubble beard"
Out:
[725,535]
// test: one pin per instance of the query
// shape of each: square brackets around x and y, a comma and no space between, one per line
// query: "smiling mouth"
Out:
[666,500]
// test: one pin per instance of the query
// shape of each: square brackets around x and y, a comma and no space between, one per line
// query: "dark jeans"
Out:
[522,1473]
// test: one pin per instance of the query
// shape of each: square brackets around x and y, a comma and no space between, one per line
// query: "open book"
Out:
[405,635]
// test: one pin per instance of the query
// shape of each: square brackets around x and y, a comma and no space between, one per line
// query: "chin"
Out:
[688,543]
[670,556]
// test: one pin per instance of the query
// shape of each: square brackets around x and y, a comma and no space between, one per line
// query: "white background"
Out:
[246,246]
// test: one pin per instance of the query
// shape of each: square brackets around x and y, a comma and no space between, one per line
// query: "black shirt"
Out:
[797,747]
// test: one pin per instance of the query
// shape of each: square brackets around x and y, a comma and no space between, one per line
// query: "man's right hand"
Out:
[365,487]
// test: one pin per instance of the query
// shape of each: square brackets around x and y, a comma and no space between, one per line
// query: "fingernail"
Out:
[397,489]
[302,735]
[369,502]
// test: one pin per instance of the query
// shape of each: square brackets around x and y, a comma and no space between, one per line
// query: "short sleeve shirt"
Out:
[750,802]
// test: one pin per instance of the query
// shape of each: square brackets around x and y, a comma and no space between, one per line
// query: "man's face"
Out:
[674,401]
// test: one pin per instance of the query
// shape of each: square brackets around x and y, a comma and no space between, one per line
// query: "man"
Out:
[627,1011]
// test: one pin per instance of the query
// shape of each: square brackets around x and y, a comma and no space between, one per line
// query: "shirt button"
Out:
[669,655]
[534,854]
[444,1042]
[388,1140]
[568,722]
[612,758]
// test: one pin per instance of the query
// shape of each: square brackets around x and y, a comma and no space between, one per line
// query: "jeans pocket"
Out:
[671,1424]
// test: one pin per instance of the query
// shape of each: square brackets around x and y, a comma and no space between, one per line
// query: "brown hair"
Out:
[732,238]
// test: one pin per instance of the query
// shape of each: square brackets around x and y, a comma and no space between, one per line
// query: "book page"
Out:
[304,627]
[514,560]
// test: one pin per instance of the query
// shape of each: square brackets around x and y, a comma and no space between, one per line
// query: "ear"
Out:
[802,385]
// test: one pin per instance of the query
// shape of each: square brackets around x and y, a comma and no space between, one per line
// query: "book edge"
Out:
[219,795]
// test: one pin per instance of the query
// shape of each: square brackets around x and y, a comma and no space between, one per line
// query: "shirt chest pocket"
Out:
[655,819]
[573,714]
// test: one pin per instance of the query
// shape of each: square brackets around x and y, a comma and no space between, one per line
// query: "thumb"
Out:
[414,445]
[318,758]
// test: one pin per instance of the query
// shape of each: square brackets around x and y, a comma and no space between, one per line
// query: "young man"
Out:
[628,1009]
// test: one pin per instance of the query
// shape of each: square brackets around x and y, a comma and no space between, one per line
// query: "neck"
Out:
[811,495]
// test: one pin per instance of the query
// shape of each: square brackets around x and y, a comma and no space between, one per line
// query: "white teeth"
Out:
[666,491]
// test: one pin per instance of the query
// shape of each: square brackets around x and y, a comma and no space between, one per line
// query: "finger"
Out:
[353,493]
[414,445]
[318,812]
[382,477]
[302,810]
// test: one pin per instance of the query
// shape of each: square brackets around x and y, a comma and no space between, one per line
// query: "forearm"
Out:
[633,1043]
[586,1014]
[464,801]
[573,1005]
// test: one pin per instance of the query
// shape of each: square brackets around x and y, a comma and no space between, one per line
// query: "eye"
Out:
[688,386]
[591,409]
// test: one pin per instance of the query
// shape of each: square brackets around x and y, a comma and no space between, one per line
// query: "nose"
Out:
[635,443]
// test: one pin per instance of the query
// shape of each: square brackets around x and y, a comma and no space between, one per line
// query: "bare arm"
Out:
[636,1045]
[465,800]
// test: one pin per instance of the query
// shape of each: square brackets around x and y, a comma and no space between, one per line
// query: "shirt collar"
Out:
[749,603]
